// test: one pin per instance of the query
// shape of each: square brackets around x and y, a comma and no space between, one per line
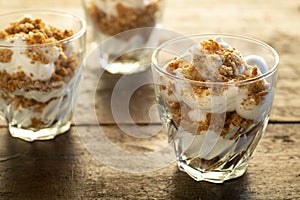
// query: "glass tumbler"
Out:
[122,23]
[214,125]
[41,56]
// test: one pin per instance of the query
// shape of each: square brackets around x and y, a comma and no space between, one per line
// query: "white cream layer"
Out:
[54,110]
[209,145]
[20,62]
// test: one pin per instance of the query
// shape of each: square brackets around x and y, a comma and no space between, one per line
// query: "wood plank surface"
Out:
[64,169]
[67,168]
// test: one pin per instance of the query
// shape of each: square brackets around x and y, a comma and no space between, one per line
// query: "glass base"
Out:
[42,134]
[127,67]
[214,176]
[129,63]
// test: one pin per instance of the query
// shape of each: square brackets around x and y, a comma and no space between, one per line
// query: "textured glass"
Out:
[125,27]
[213,131]
[40,77]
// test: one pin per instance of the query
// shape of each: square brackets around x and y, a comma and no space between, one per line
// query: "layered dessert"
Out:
[111,17]
[214,104]
[36,74]
[124,28]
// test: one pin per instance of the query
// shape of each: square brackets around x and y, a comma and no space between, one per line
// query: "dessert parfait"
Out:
[214,103]
[39,71]
[110,18]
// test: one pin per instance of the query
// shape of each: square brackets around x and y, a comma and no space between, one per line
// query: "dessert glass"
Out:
[39,75]
[122,22]
[213,142]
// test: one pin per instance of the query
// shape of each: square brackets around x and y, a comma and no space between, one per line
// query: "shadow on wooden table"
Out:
[125,98]
[185,187]
[38,170]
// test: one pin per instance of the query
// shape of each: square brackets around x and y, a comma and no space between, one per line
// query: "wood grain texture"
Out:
[64,168]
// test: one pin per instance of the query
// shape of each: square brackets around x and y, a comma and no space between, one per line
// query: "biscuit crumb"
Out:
[5,55]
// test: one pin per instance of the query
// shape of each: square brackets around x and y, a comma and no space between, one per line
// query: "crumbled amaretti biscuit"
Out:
[5,55]
[126,18]
[36,30]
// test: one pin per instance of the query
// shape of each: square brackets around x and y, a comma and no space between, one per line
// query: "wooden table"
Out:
[64,168]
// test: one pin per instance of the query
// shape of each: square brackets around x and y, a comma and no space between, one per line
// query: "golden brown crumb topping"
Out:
[211,45]
[36,31]
[231,60]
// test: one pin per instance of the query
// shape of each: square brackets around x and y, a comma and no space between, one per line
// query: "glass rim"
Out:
[75,36]
[245,38]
